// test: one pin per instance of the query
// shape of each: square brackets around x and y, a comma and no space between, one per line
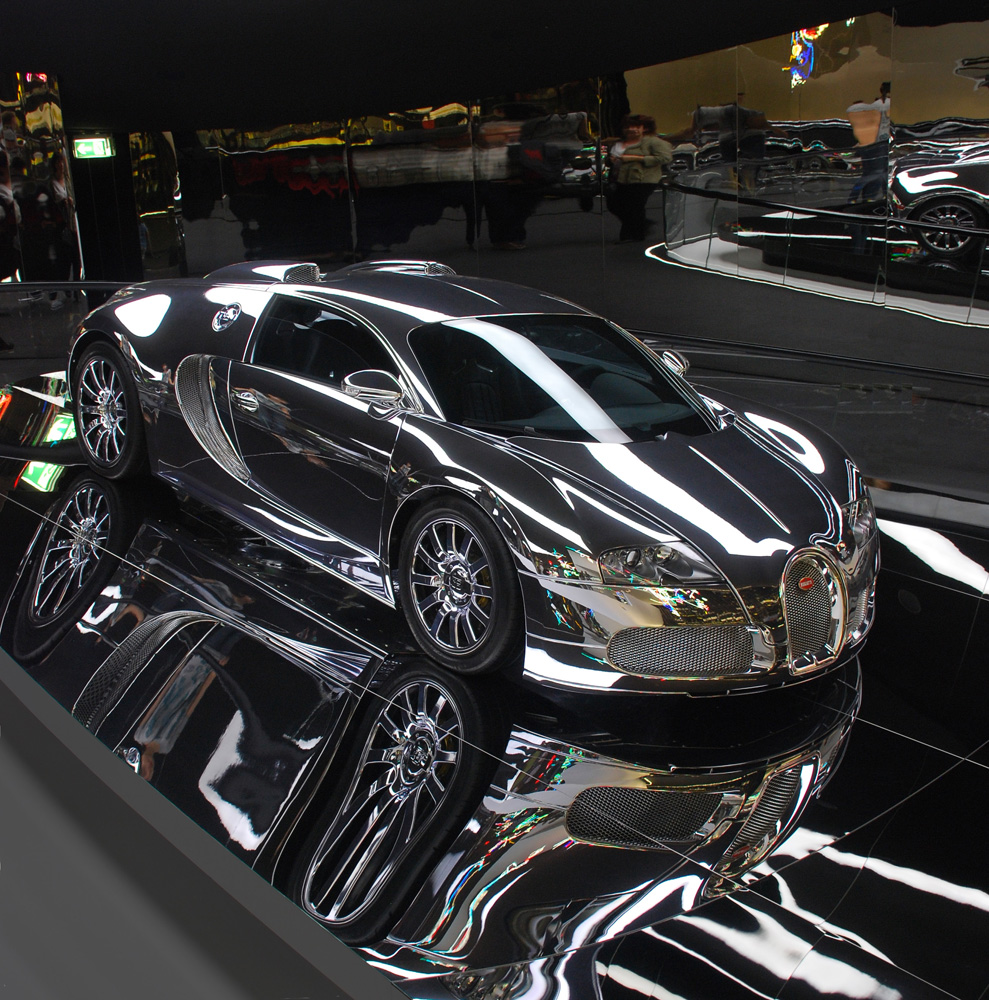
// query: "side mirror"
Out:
[373,386]
[675,361]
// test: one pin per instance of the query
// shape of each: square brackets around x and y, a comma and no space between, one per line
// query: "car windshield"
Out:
[572,377]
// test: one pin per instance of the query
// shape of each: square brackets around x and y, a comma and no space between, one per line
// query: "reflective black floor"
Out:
[451,832]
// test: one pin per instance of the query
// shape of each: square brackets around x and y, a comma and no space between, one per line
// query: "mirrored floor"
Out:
[484,838]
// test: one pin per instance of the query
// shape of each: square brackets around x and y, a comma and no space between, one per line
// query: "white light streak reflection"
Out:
[938,552]
[628,468]
[143,316]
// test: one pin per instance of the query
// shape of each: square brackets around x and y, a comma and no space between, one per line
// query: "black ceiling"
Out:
[134,64]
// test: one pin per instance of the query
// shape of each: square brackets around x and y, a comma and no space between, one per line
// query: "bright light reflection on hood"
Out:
[552,379]
[938,552]
[143,316]
[796,444]
[631,470]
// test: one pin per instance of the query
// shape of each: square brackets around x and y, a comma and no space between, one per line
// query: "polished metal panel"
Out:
[719,493]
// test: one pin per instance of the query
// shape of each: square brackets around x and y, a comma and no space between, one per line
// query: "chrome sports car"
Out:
[527,481]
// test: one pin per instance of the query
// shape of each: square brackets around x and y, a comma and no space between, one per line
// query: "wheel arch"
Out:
[980,205]
[481,497]
[97,335]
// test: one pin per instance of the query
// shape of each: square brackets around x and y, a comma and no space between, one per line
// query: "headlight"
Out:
[655,564]
[860,518]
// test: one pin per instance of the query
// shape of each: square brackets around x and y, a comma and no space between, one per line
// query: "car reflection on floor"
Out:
[438,822]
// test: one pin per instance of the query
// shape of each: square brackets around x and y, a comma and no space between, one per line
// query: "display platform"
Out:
[232,769]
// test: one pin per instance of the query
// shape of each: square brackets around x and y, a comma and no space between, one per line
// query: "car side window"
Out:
[307,338]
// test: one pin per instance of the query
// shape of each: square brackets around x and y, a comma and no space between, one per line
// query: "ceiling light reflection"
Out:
[143,316]
[938,552]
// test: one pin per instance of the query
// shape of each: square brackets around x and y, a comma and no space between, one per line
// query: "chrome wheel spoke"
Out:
[438,622]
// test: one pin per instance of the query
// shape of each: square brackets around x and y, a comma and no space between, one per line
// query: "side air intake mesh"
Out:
[637,817]
[194,393]
[682,650]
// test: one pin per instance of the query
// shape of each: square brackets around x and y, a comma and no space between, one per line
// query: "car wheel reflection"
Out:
[71,558]
[954,212]
[458,590]
[72,552]
[418,769]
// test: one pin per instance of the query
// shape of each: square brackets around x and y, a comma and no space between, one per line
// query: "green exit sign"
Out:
[95,147]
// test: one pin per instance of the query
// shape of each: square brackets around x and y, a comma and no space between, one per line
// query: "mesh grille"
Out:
[636,817]
[192,381]
[683,650]
[110,681]
[774,806]
[857,611]
[302,274]
[808,608]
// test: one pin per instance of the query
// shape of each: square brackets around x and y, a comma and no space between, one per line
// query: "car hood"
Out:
[736,494]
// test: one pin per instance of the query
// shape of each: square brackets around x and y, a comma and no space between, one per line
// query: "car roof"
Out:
[399,302]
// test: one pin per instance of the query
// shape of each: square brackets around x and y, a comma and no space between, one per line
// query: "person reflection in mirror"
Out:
[870,125]
[10,221]
[636,169]
[64,251]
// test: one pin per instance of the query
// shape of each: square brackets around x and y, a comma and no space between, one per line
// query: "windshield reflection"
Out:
[575,378]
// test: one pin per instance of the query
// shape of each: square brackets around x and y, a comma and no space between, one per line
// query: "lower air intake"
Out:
[683,651]
[637,817]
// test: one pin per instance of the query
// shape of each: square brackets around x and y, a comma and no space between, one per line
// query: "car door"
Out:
[306,443]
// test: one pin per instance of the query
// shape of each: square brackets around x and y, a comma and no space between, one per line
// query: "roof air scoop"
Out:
[430,267]
[267,272]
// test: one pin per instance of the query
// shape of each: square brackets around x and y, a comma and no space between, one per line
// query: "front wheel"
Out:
[423,757]
[107,413]
[459,589]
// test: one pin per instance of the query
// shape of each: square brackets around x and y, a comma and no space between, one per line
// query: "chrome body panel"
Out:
[336,479]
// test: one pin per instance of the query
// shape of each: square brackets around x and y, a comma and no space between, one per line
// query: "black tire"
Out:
[956,212]
[423,756]
[75,554]
[107,412]
[459,589]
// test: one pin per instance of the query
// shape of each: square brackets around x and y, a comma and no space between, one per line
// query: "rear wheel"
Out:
[108,413]
[459,589]
[77,552]
[954,212]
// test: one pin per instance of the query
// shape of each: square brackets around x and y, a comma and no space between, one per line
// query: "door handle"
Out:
[245,400]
